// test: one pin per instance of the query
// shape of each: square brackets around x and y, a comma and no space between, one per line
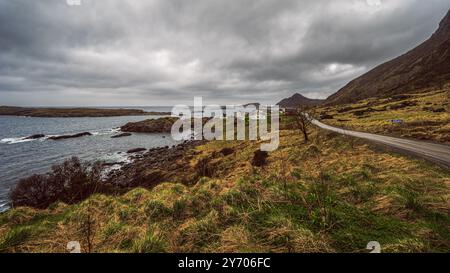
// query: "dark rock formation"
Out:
[159,165]
[70,136]
[37,136]
[160,125]
[136,150]
[121,135]
[110,164]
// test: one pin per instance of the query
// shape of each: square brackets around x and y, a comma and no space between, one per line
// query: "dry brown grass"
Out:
[427,117]
[328,195]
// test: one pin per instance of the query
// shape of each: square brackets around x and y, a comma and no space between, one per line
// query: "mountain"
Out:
[256,104]
[426,66]
[298,100]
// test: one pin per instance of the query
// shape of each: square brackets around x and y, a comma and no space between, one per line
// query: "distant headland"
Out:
[49,112]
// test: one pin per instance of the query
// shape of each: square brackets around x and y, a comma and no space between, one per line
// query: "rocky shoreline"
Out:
[142,168]
[157,165]
[122,135]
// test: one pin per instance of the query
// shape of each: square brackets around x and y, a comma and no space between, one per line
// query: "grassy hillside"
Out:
[334,194]
[425,67]
[425,116]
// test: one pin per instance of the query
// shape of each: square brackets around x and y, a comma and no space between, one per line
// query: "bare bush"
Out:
[86,228]
[204,167]
[304,118]
[260,158]
[31,191]
[69,182]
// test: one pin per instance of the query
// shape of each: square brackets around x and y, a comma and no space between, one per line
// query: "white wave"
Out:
[99,133]
[117,160]
[103,132]
[15,140]
[118,157]
[49,136]
[3,207]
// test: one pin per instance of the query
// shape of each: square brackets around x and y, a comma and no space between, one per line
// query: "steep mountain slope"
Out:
[426,66]
[297,100]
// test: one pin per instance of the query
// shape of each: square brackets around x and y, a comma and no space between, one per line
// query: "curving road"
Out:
[437,153]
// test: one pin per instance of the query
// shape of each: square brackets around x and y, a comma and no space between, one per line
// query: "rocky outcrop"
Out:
[37,136]
[136,150]
[158,165]
[160,125]
[70,136]
[122,135]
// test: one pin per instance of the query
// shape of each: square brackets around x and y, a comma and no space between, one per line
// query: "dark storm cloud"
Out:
[164,52]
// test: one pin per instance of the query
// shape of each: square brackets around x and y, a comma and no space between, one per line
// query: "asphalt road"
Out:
[437,153]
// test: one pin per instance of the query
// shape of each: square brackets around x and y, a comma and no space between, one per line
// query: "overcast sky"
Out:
[165,52]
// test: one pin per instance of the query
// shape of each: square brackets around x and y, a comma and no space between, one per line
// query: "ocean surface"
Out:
[20,158]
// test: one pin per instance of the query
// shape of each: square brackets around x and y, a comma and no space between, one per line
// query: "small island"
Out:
[160,125]
[73,112]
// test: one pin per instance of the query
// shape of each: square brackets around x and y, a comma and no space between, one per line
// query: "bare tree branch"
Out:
[304,118]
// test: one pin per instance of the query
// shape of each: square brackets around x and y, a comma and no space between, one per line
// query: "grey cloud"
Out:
[163,52]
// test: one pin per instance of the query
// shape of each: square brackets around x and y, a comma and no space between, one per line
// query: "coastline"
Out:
[57,139]
[50,112]
[144,168]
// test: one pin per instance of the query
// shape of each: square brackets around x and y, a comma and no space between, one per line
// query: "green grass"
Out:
[15,237]
[150,243]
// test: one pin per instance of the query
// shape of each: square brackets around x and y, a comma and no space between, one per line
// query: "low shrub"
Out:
[260,158]
[204,167]
[69,182]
